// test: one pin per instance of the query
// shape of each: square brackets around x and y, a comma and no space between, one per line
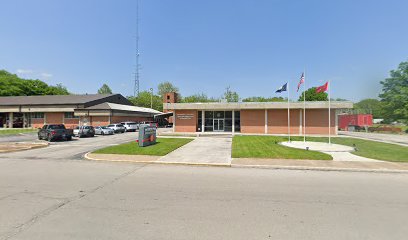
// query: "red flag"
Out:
[302,80]
[322,88]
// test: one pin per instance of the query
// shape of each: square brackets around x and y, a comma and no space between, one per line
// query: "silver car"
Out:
[130,126]
[84,131]
[117,128]
[103,130]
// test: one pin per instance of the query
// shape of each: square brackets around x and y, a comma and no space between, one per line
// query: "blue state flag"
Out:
[282,89]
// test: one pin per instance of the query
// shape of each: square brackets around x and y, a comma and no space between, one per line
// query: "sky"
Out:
[205,46]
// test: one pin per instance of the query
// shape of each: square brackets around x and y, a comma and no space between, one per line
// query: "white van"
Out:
[130,126]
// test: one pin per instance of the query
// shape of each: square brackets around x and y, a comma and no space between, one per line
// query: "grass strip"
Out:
[268,147]
[370,149]
[16,131]
[162,147]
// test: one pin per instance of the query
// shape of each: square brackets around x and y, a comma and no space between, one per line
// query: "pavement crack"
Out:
[37,217]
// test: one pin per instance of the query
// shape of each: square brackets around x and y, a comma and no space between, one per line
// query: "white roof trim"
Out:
[132,108]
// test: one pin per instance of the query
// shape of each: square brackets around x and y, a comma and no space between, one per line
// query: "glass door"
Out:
[218,125]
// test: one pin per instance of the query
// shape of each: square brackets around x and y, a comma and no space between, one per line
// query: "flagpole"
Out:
[329,113]
[288,112]
[304,105]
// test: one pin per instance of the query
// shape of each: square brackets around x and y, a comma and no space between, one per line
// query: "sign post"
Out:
[147,136]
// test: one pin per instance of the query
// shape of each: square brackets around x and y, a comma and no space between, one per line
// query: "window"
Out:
[69,115]
[237,115]
[37,115]
[56,126]
[199,121]
[168,97]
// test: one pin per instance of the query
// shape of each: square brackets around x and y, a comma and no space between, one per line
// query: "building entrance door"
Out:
[218,125]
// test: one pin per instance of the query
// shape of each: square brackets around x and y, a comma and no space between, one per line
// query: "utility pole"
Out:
[151,97]
[137,74]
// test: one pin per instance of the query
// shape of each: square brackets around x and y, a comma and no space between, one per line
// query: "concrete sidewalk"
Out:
[202,150]
[292,164]
[337,151]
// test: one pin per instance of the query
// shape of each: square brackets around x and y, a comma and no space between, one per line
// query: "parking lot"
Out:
[74,149]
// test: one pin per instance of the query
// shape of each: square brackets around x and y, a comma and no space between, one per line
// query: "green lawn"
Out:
[371,149]
[268,147]
[16,131]
[161,148]
[265,147]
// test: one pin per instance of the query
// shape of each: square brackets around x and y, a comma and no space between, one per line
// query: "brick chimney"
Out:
[170,97]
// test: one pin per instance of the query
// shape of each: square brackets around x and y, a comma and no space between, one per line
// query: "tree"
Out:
[144,100]
[312,95]
[58,89]
[166,87]
[339,99]
[12,85]
[197,98]
[230,96]
[394,96]
[370,105]
[264,99]
[105,89]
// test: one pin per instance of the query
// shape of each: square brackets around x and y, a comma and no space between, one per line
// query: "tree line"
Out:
[392,104]
[12,85]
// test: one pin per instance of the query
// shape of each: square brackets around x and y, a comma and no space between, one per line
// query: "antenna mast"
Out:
[137,74]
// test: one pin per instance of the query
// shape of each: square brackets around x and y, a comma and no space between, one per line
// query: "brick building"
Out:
[71,110]
[254,117]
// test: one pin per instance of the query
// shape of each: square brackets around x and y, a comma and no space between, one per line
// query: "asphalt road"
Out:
[44,195]
[401,139]
[23,137]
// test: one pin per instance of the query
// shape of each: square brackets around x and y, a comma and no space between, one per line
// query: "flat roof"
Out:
[52,99]
[258,105]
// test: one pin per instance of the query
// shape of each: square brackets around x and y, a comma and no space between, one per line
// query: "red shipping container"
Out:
[360,120]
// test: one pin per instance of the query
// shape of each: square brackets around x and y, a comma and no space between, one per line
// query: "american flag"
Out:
[302,80]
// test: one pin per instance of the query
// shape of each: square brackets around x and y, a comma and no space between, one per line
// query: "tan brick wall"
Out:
[37,122]
[71,122]
[317,121]
[252,121]
[278,121]
[186,125]
[54,118]
[99,120]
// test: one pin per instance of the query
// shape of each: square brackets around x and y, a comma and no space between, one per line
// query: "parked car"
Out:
[84,131]
[103,130]
[130,126]
[52,132]
[149,123]
[117,128]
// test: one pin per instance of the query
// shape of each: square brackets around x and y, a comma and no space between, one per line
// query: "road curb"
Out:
[272,167]
[333,169]
[86,156]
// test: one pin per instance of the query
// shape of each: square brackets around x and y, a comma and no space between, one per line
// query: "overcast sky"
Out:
[205,46]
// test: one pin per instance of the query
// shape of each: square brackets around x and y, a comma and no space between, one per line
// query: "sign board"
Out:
[147,136]
[185,116]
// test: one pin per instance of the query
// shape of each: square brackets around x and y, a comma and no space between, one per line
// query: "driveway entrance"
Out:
[214,150]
